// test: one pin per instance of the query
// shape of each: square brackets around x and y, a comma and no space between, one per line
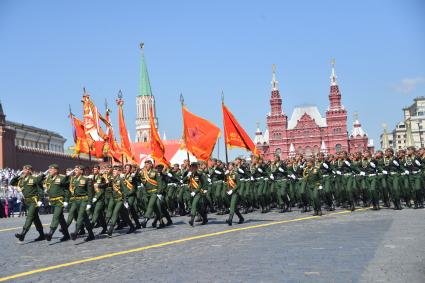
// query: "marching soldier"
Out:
[278,172]
[325,169]
[152,183]
[130,183]
[57,187]
[99,185]
[232,185]
[392,170]
[313,178]
[118,209]
[30,186]
[413,167]
[81,189]
[198,183]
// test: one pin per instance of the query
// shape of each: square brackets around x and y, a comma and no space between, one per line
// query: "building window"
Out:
[300,149]
[338,148]
[278,152]
[308,151]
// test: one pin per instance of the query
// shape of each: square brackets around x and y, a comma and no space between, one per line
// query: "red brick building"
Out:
[307,132]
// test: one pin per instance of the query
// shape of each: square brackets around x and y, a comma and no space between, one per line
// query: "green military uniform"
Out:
[198,183]
[152,183]
[130,184]
[232,186]
[99,186]
[413,166]
[327,183]
[281,185]
[118,208]
[31,189]
[313,179]
[58,190]
[109,199]
[392,170]
[81,189]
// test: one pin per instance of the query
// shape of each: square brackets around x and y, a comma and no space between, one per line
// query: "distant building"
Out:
[307,132]
[22,144]
[409,131]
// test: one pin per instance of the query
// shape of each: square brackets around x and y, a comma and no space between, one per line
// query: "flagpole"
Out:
[225,143]
[182,103]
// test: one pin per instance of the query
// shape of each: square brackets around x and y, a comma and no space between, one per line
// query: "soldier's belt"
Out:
[218,182]
[371,175]
[393,173]
[152,190]
[416,172]
[80,198]
[347,174]
[56,199]
[243,180]
[260,178]
[325,175]
[172,184]
[34,199]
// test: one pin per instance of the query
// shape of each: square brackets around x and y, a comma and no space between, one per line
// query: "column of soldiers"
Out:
[115,197]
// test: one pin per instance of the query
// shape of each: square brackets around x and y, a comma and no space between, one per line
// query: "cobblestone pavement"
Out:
[364,246]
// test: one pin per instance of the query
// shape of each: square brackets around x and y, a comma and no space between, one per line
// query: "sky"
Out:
[50,50]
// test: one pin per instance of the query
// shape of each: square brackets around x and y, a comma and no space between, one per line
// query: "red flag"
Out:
[157,147]
[234,134]
[81,142]
[113,148]
[125,139]
[199,135]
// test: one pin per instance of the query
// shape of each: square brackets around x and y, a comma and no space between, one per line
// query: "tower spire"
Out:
[145,85]
[275,83]
[333,75]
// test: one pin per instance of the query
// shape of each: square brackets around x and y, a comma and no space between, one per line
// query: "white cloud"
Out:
[408,85]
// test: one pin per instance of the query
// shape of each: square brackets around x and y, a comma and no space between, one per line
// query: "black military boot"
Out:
[161,224]
[91,236]
[241,219]
[82,232]
[352,207]
[132,229]
[66,236]
[41,236]
[155,222]
[169,220]
[198,218]
[74,236]
[204,218]
[50,235]
[319,212]
[21,236]
[192,220]
[110,230]
[229,220]
[144,222]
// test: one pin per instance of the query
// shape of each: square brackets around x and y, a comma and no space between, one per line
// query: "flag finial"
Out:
[181,99]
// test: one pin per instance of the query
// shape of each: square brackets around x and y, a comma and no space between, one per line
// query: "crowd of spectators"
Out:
[12,202]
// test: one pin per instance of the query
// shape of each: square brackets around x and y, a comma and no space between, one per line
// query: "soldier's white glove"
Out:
[218,172]
[170,175]
[320,187]
[126,204]
[338,172]
[192,194]
[205,191]
[46,172]
[260,170]
[372,164]
[65,204]
[326,166]
[362,173]
[347,163]
[271,176]
[122,175]
[230,192]
[70,173]
[227,172]
[417,162]
[252,178]
[281,169]
[209,180]
[181,181]
[189,174]
[293,176]
[241,171]
[39,203]
[133,175]
[407,172]
[88,207]
[385,172]
[159,196]
[90,176]
[94,200]
[396,163]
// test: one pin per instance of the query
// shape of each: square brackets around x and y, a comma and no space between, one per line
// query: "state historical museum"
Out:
[307,132]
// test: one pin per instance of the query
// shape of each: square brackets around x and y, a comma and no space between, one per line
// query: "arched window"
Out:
[300,149]
[278,152]
[316,150]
